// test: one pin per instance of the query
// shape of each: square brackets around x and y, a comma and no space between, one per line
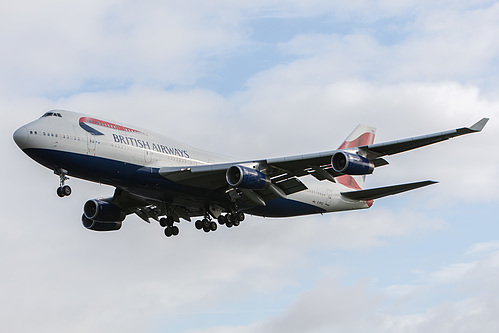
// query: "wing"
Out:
[213,177]
[394,147]
[149,208]
[300,163]
[283,172]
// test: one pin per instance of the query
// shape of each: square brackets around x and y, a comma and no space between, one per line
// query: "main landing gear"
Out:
[212,215]
[233,218]
[62,190]
[206,225]
[170,229]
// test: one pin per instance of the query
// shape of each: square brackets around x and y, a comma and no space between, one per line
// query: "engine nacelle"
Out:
[248,178]
[99,226]
[102,211]
[351,164]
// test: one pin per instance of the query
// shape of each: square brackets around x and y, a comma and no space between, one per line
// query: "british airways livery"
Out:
[159,178]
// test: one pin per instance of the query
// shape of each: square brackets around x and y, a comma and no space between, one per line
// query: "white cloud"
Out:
[334,307]
[67,278]
[59,47]
[480,248]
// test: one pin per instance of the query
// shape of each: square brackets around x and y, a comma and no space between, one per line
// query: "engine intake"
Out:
[102,211]
[248,178]
[351,164]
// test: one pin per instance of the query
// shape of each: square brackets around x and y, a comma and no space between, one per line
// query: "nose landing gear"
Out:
[63,190]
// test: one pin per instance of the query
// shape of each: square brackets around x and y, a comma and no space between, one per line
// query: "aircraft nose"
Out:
[21,137]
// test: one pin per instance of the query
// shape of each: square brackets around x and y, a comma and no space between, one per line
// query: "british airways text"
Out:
[150,146]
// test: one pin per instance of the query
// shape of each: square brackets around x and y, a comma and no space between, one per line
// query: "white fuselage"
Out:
[61,135]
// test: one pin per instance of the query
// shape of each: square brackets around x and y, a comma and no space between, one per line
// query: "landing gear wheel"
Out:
[222,219]
[206,223]
[171,231]
[175,230]
[198,224]
[66,190]
[240,216]
[213,226]
[63,191]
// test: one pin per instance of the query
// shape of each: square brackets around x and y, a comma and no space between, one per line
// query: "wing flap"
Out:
[380,192]
[291,185]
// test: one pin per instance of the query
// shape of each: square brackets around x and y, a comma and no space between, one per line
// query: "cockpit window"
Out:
[52,114]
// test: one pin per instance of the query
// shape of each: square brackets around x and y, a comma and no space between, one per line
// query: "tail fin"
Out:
[362,135]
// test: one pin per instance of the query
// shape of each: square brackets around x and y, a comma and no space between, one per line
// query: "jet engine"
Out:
[101,215]
[351,164]
[99,226]
[248,178]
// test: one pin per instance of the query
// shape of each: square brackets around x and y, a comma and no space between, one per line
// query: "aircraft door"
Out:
[329,197]
[332,199]
[147,156]
[91,144]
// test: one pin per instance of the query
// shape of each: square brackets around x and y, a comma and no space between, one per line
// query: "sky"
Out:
[258,79]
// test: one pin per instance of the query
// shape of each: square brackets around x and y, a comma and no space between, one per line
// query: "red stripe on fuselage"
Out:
[102,123]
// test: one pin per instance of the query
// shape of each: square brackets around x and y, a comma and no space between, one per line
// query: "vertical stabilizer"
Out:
[362,135]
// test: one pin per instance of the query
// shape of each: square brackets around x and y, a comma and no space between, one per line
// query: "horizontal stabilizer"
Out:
[380,192]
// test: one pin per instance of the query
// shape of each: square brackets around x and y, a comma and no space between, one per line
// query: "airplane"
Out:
[158,178]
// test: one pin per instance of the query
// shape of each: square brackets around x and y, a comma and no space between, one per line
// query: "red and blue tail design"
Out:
[362,135]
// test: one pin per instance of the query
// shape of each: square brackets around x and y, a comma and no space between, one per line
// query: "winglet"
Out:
[479,125]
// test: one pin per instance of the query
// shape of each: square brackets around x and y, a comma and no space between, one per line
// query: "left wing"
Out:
[283,172]
[299,163]
[394,147]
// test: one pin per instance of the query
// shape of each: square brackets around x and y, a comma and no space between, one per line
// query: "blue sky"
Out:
[250,80]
